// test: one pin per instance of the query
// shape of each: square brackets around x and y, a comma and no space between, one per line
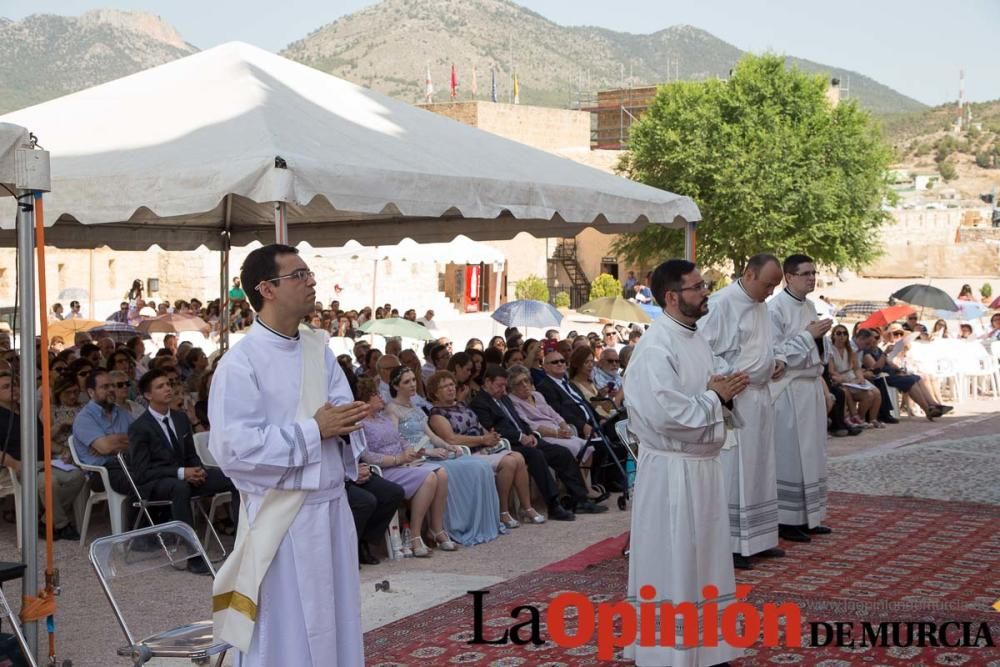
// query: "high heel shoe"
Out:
[445,544]
[507,520]
[419,549]
[532,516]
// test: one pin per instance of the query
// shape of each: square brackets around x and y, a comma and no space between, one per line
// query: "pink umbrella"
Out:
[174,323]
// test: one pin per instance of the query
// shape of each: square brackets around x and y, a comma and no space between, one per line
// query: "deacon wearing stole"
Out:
[282,416]
[680,526]
[799,403]
[739,330]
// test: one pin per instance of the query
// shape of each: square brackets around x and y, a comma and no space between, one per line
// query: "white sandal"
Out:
[533,516]
[446,544]
[419,549]
[509,521]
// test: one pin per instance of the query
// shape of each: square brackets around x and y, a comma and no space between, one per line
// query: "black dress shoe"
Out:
[945,409]
[365,556]
[67,532]
[819,530]
[839,433]
[889,420]
[854,430]
[773,552]
[559,513]
[197,565]
[590,507]
[741,562]
[792,534]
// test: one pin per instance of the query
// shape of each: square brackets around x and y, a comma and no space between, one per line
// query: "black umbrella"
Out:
[926,296]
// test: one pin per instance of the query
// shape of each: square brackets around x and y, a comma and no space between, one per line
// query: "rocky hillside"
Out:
[388,46]
[46,56]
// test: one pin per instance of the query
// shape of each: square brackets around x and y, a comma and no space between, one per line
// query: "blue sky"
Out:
[914,46]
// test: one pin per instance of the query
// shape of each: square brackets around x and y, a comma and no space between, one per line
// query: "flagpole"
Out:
[510,63]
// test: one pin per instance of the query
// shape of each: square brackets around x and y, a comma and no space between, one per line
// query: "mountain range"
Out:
[390,46]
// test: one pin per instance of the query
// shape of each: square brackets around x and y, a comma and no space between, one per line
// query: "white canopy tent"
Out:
[235,140]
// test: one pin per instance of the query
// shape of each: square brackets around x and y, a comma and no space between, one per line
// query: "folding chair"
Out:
[208,461]
[123,556]
[143,505]
[116,501]
[10,572]
[10,486]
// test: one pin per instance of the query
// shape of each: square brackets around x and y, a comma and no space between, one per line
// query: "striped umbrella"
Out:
[864,308]
[117,331]
[527,313]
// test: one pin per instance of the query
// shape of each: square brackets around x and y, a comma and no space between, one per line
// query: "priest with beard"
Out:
[282,417]
[679,408]
[800,404]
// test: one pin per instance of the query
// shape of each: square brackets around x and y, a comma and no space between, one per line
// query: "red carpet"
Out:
[889,559]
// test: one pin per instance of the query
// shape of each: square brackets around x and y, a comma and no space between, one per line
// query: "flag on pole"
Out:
[475,88]
[493,86]
[454,82]
[429,86]
[517,99]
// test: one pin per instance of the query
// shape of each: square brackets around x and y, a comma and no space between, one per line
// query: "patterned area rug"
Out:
[889,559]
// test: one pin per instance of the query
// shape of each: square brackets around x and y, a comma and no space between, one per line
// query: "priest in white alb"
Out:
[282,417]
[680,526]
[799,403]
[738,329]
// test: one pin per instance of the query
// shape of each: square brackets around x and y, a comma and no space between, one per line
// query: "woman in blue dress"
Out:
[473,507]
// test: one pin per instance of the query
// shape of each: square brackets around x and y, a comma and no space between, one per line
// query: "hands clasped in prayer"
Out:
[728,386]
[340,420]
[819,328]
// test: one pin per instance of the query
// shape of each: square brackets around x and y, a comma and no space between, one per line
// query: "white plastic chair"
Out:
[117,502]
[945,371]
[10,486]
[396,525]
[974,366]
[124,556]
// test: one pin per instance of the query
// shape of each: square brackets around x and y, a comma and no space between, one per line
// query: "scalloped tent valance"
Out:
[179,153]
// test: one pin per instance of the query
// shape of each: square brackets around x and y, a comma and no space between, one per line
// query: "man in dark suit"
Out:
[373,502]
[496,411]
[562,396]
[162,458]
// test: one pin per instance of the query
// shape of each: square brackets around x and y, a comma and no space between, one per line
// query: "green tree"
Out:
[562,300]
[984,160]
[947,170]
[532,287]
[604,285]
[772,166]
[986,291]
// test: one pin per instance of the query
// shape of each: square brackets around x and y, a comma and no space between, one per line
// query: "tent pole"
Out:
[280,223]
[224,295]
[90,289]
[690,241]
[224,279]
[29,435]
